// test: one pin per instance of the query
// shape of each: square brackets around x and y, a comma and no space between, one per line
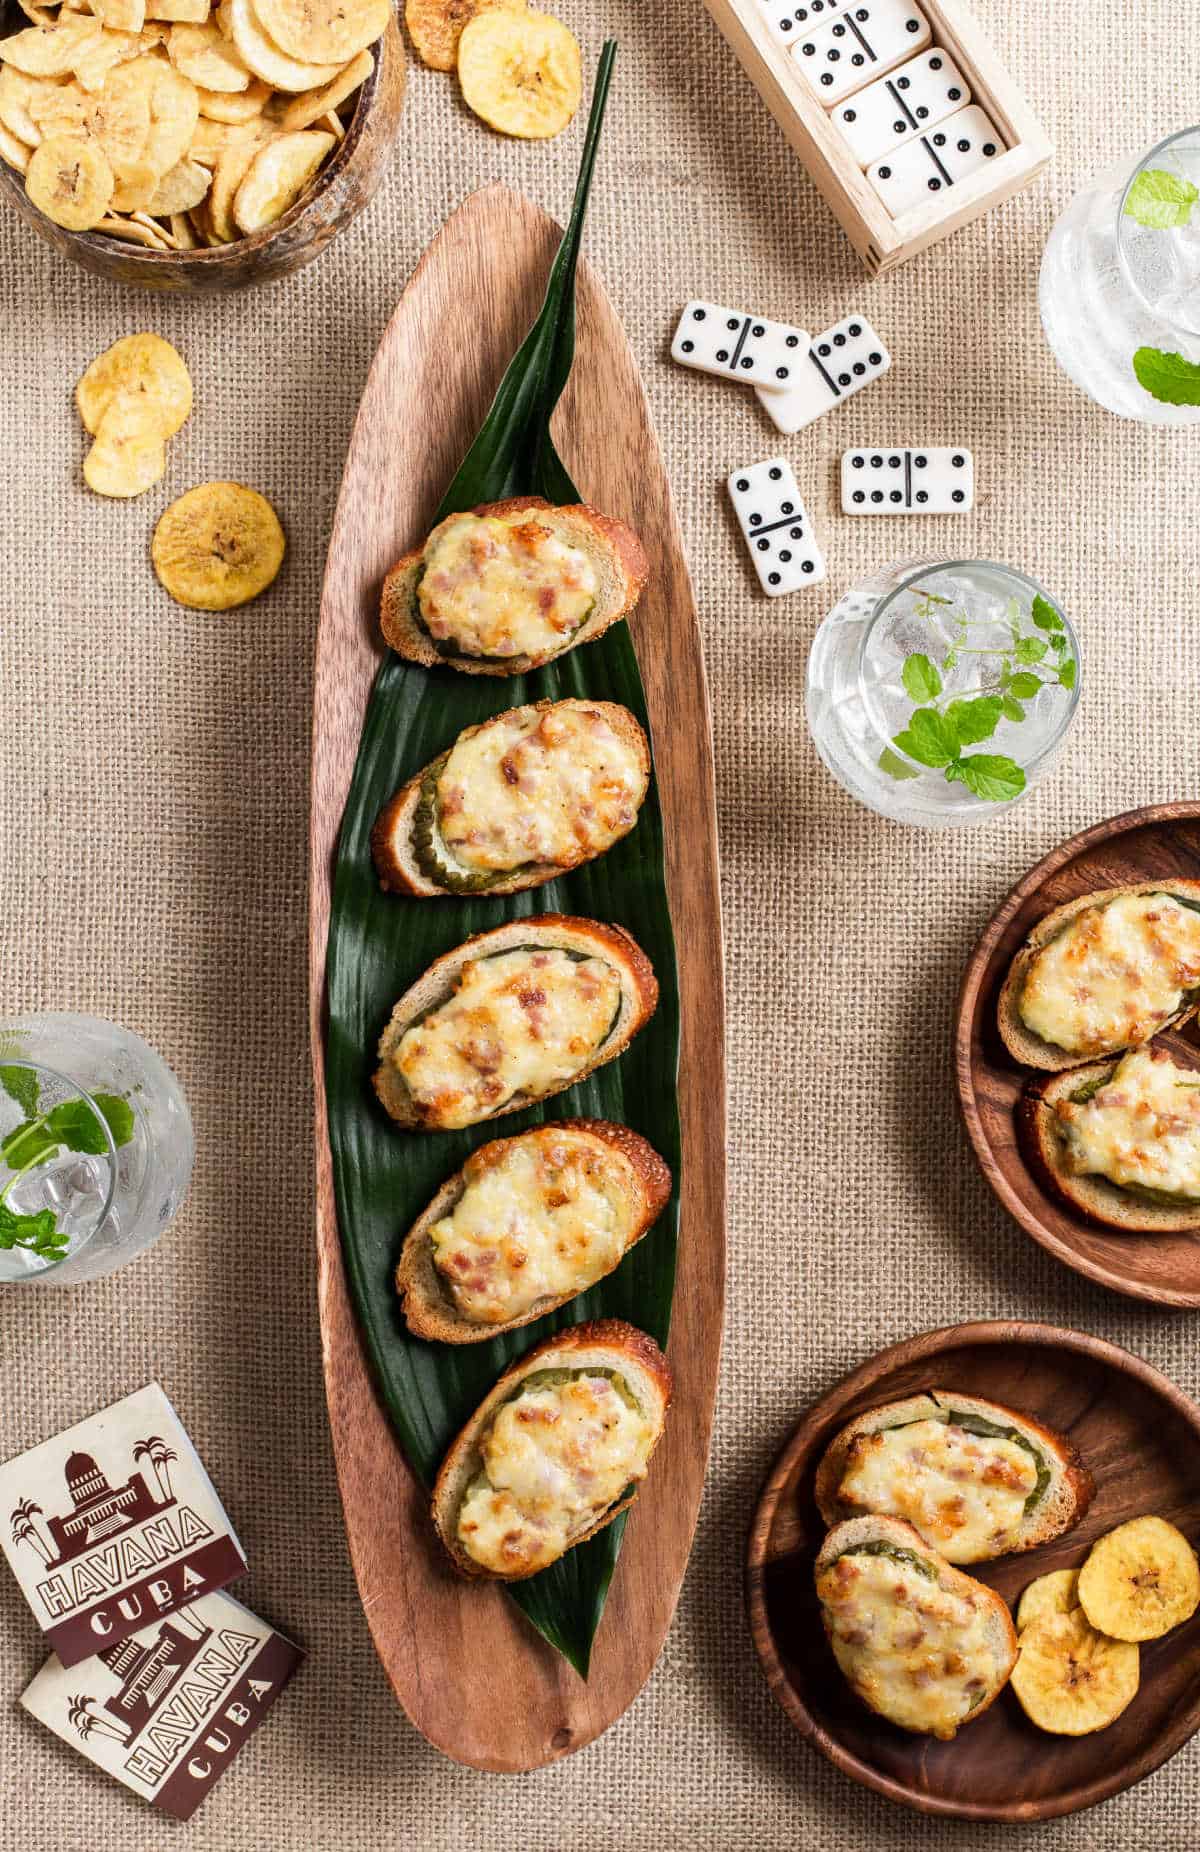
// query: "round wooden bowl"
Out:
[1141,1438]
[342,188]
[1142,845]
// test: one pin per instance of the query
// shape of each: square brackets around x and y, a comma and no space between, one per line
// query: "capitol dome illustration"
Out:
[85,1481]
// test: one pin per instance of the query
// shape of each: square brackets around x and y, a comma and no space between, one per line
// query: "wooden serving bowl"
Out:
[343,187]
[1139,1435]
[1143,845]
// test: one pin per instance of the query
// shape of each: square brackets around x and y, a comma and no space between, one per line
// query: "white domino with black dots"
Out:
[775,523]
[839,363]
[789,19]
[893,109]
[734,345]
[933,480]
[936,160]
[860,43]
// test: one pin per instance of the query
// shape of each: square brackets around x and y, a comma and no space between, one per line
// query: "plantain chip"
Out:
[178,12]
[17,92]
[92,67]
[141,370]
[14,150]
[38,14]
[118,118]
[121,15]
[277,176]
[435,26]
[135,187]
[1053,1593]
[50,51]
[323,31]
[70,179]
[310,107]
[212,139]
[1140,1580]
[1071,1680]
[207,58]
[180,188]
[228,175]
[133,231]
[182,231]
[261,54]
[235,106]
[520,72]
[128,456]
[218,546]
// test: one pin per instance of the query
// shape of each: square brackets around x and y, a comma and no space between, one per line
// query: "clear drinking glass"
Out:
[96,1148]
[1111,285]
[998,668]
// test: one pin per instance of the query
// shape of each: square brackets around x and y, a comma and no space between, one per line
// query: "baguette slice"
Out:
[1021,1043]
[604,1344]
[639,1000]
[614,551]
[999,1635]
[428,1308]
[1061,1506]
[396,861]
[1045,1149]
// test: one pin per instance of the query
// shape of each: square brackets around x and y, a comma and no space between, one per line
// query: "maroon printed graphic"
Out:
[115,1525]
[99,1509]
[167,1710]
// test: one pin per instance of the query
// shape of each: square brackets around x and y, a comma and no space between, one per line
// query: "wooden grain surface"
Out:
[1142,845]
[343,187]
[471,1674]
[1141,1438]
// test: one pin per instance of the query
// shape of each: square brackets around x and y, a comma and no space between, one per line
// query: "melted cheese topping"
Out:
[542,1216]
[965,1493]
[1114,976]
[556,786]
[1141,1127]
[521,1022]
[554,1460]
[503,585]
[914,1652]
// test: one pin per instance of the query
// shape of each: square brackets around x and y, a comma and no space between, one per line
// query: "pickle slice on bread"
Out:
[556,1449]
[918,1641]
[516,801]
[505,587]
[525,1225]
[976,1479]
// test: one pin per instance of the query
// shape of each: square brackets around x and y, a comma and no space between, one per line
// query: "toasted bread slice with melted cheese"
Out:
[556,1449]
[976,1479]
[1112,1141]
[527,1224]
[917,1640]
[511,585]
[516,801]
[1083,987]
[511,1017]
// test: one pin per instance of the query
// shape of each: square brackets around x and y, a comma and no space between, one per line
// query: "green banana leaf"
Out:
[379,943]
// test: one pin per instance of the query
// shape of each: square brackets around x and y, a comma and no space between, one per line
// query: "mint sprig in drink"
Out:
[1120,285]
[95,1148]
[939,693]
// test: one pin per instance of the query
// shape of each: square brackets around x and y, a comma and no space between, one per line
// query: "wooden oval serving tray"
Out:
[1162,839]
[470,1672]
[1141,1438]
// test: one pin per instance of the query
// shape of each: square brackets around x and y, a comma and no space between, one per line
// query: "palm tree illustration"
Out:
[24,1529]
[160,1456]
[86,1721]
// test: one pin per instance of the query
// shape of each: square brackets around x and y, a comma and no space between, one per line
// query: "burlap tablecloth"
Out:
[154,776]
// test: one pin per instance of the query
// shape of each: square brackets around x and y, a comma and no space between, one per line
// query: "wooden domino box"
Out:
[881,239]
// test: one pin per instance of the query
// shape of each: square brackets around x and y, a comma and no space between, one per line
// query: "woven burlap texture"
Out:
[153,778]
